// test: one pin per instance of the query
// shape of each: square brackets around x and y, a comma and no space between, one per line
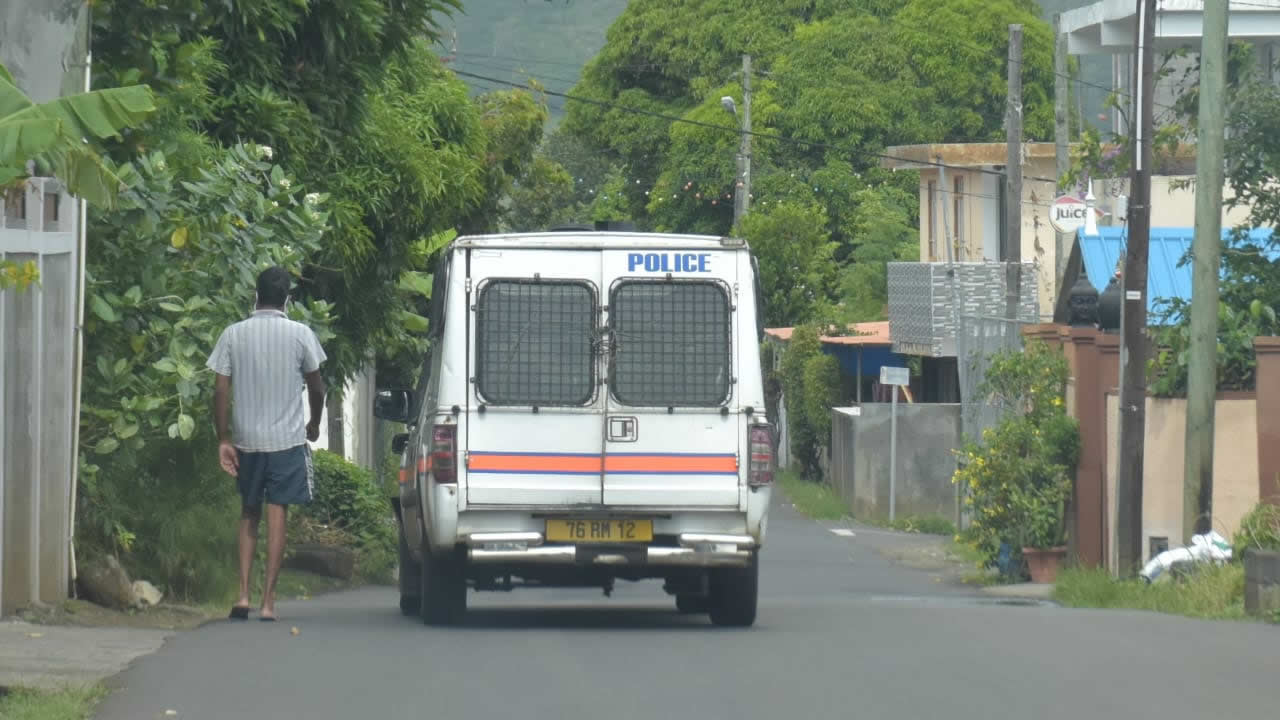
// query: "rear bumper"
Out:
[695,550]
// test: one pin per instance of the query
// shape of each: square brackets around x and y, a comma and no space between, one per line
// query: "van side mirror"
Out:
[399,443]
[392,405]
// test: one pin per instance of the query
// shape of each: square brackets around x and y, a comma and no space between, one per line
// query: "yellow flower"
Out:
[1057,402]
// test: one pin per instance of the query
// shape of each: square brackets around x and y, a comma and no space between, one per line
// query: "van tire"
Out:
[443,594]
[692,604]
[734,594]
[410,580]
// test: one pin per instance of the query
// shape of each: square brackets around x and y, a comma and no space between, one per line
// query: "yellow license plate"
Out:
[599,531]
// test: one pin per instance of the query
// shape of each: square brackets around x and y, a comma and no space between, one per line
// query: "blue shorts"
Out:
[283,477]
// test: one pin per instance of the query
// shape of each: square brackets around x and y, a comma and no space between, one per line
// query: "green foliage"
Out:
[347,497]
[356,105]
[813,498]
[821,390]
[1017,479]
[55,135]
[810,383]
[847,78]
[925,524]
[1259,529]
[1236,364]
[172,266]
[543,198]
[18,275]
[795,253]
[72,703]
[1208,591]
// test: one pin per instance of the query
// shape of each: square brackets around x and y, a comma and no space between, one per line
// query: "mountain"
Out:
[515,40]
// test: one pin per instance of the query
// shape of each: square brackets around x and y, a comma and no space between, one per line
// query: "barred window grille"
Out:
[672,345]
[534,343]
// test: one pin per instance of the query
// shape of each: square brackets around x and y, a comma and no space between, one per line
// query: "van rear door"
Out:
[534,412]
[671,421]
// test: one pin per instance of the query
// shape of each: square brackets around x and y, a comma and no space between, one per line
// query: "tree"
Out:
[840,81]
[255,101]
[795,254]
[350,98]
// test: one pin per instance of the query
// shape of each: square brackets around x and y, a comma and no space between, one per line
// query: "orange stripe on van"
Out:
[582,464]
[533,463]
[682,464]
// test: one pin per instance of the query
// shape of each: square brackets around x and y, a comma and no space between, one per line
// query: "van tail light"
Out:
[761,468]
[444,454]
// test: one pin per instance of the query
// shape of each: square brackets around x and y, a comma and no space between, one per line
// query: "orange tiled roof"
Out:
[867,333]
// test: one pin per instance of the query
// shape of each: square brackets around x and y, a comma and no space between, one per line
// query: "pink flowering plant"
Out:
[1016,481]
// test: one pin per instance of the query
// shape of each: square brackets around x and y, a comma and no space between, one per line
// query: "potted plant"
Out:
[1016,480]
[1043,528]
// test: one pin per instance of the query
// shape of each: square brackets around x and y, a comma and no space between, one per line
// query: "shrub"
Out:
[1017,479]
[348,498]
[811,384]
[925,524]
[821,390]
[1259,529]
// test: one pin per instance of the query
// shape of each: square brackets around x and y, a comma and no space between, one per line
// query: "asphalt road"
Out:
[842,633]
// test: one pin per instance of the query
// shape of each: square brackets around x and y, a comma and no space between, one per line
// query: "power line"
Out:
[754,133]
[519,71]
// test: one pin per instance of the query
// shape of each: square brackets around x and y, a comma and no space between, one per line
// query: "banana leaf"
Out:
[60,134]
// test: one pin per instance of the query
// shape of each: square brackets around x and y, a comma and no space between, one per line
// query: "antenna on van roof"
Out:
[571,228]
[615,226]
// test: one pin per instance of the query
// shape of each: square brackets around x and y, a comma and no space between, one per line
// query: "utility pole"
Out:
[1133,316]
[1206,249]
[1013,183]
[742,191]
[1062,134]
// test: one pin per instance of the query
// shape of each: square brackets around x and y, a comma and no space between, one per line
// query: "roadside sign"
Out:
[894,375]
[1068,213]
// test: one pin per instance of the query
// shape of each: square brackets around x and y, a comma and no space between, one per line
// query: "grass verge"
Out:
[1213,592]
[820,502]
[814,499]
[69,704]
[292,585]
[919,524]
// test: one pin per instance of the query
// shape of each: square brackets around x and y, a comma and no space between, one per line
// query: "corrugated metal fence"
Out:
[982,337]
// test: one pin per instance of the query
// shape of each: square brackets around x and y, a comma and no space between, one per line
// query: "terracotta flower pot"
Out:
[1043,563]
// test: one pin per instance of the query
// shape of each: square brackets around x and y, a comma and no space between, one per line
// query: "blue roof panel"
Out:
[1103,252]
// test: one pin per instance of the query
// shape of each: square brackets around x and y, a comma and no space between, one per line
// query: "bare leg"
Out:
[249,517]
[276,517]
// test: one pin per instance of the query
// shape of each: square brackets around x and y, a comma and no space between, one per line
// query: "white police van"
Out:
[592,409]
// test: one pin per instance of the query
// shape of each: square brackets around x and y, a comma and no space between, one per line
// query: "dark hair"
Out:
[273,286]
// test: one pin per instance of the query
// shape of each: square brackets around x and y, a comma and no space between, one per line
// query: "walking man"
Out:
[260,366]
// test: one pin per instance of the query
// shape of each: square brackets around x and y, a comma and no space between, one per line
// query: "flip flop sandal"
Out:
[239,613]
[266,618]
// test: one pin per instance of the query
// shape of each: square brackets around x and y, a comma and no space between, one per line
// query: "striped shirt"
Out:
[266,356]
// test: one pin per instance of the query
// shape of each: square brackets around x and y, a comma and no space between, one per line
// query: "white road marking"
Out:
[843,532]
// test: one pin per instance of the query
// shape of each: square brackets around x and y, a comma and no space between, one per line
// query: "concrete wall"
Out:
[927,434]
[1235,467]
[358,423]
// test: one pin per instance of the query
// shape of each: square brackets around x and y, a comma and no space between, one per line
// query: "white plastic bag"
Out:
[1209,547]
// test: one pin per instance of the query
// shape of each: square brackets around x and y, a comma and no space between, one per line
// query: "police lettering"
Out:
[669,262]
